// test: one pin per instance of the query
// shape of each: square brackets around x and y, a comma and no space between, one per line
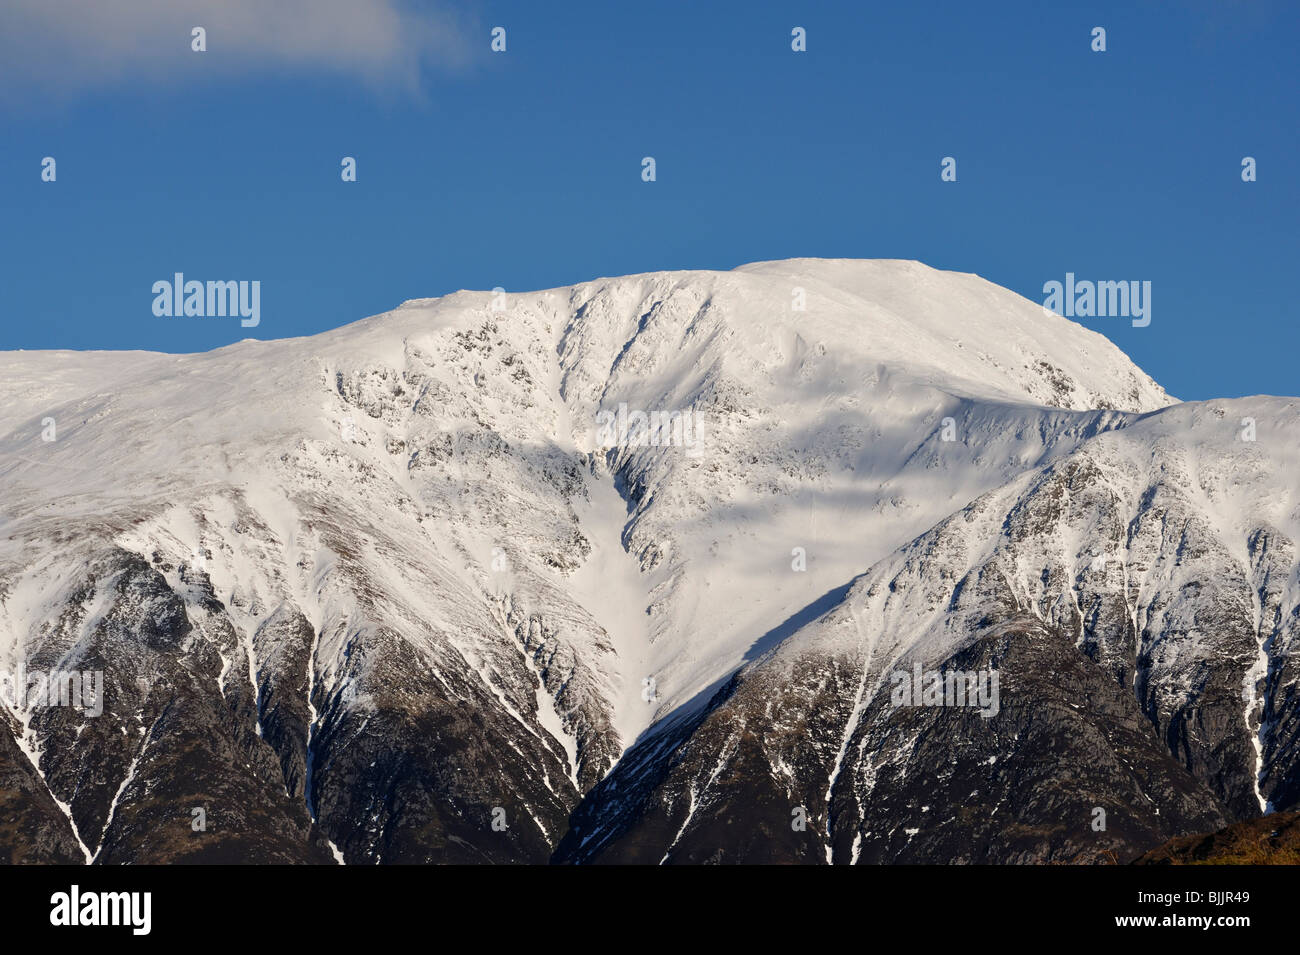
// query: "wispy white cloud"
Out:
[70,46]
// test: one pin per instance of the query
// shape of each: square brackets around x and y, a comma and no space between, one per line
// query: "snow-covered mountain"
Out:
[411,590]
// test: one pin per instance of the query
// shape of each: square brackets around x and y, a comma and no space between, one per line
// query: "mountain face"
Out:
[811,561]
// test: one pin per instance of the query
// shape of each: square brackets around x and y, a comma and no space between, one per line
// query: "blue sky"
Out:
[523,169]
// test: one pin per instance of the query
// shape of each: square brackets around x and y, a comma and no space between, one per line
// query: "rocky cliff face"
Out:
[427,589]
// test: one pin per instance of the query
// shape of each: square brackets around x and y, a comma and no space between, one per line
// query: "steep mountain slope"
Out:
[390,593]
[1138,598]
